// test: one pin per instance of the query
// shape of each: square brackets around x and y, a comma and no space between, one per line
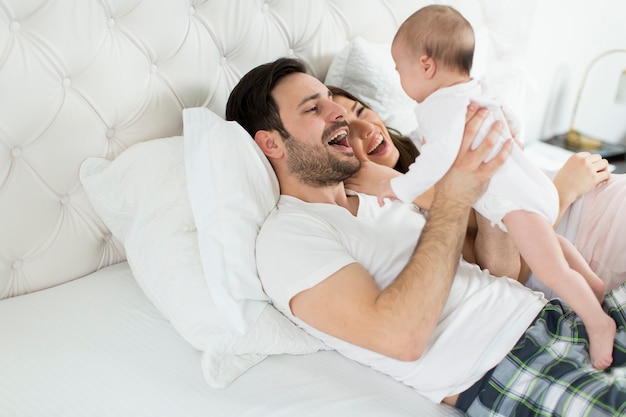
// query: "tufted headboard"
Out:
[82,78]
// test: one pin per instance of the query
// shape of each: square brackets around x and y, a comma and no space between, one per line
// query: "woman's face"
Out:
[369,138]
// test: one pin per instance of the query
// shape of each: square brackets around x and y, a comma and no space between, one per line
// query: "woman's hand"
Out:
[579,175]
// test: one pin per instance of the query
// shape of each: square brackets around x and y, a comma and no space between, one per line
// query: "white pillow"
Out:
[366,69]
[232,188]
[142,197]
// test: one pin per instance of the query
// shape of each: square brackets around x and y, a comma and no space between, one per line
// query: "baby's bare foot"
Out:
[601,337]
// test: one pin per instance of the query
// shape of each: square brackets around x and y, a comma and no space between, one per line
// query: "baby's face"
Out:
[413,71]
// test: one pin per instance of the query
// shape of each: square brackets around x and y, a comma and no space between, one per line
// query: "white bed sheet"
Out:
[97,347]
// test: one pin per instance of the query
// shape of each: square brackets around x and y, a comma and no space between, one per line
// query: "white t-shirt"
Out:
[301,244]
[518,184]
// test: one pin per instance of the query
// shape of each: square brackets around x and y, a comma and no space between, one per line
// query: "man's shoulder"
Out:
[288,216]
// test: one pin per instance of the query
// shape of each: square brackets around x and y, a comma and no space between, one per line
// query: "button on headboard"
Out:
[82,78]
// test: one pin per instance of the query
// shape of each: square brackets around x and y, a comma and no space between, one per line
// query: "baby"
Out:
[433,52]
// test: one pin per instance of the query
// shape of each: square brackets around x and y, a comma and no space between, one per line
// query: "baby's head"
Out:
[434,47]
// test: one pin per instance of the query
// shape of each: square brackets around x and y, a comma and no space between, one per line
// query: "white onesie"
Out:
[518,184]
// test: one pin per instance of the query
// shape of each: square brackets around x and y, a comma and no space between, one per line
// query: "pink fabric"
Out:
[601,236]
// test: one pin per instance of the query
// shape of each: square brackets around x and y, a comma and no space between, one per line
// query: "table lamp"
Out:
[575,140]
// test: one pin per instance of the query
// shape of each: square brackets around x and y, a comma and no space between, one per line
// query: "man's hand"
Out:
[469,176]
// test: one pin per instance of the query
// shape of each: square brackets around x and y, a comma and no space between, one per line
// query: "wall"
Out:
[565,36]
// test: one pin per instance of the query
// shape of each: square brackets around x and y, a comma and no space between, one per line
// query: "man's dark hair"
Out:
[251,103]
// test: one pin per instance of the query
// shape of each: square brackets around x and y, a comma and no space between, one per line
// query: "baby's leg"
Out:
[539,246]
[578,263]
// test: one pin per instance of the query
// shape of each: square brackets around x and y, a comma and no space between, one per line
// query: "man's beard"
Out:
[317,166]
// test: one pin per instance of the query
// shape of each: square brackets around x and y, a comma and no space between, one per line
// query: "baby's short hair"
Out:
[442,33]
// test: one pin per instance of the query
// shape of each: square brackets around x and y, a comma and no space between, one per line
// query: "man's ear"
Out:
[270,143]
[427,66]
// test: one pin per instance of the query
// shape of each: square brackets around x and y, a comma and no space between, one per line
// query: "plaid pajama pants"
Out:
[548,372]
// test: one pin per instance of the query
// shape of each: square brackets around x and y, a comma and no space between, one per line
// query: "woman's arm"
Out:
[371,175]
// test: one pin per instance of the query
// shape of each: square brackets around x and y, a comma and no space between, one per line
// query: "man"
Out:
[386,287]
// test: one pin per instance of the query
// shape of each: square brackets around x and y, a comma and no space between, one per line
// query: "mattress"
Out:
[96,346]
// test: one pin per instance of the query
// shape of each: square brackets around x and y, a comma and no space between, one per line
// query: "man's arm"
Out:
[399,320]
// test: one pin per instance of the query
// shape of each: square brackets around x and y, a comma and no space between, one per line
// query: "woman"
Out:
[593,223]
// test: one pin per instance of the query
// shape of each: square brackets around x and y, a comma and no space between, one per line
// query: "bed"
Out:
[115,289]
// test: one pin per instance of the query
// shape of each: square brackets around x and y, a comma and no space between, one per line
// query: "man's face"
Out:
[317,150]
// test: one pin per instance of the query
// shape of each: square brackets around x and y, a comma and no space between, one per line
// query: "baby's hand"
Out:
[386,192]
